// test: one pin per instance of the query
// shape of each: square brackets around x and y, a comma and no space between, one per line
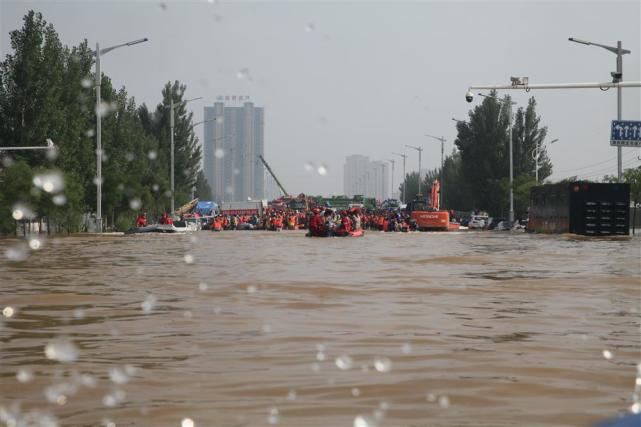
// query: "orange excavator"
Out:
[430,216]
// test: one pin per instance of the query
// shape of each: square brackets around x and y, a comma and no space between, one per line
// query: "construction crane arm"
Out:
[273,176]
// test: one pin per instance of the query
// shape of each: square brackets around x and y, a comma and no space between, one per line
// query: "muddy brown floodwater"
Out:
[261,328]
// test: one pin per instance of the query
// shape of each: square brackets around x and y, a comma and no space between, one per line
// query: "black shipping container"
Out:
[587,208]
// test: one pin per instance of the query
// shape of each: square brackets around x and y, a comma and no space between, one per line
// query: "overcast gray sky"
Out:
[341,78]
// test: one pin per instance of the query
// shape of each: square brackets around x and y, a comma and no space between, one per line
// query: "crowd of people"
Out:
[319,221]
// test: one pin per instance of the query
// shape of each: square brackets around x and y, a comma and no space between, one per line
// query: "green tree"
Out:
[187,151]
[526,135]
[411,183]
[483,143]
[203,189]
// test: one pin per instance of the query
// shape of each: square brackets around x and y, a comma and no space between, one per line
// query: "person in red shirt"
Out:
[316,224]
[165,219]
[141,221]
[346,225]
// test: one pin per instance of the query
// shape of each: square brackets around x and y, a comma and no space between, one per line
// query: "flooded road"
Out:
[263,328]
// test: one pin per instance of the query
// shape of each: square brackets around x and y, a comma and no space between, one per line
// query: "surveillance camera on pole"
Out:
[469,96]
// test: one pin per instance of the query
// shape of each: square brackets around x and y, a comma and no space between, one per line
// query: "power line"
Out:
[589,166]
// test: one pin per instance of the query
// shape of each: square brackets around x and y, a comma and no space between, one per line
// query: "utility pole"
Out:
[392,161]
[404,156]
[617,77]
[420,151]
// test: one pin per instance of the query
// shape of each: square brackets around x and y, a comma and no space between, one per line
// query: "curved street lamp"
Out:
[97,54]
[536,153]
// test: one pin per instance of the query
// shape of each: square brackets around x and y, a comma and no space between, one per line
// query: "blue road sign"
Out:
[625,133]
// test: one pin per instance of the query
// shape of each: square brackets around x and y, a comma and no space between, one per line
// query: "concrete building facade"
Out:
[365,177]
[231,146]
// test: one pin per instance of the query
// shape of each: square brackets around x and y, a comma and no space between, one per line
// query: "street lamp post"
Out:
[404,156]
[171,133]
[617,77]
[536,153]
[420,151]
[511,217]
[99,112]
[392,161]
[50,146]
[442,139]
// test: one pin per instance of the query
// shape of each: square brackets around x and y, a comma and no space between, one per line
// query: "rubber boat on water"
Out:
[355,233]
[177,227]
[152,228]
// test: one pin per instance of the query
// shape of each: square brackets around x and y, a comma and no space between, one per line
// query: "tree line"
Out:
[476,173]
[47,92]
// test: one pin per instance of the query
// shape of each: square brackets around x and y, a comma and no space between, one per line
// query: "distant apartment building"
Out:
[365,177]
[231,146]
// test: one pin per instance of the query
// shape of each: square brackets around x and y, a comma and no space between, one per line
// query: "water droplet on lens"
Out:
[155,187]
[24,375]
[407,348]
[135,204]
[118,375]
[356,392]
[8,311]
[382,364]
[149,303]
[608,354]
[114,398]
[97,180]
[322,170]
[309,28]
[219,153]
[229,189]
[244,74]
[90,133]
[16,253]
[17,214]
[79,313]
[320,356]
[86,83]
[62,350]
[273,417]
[363,421]
[152,155]
[202,286]
[187,422]
[344,362]
[251,289]
[59,200]
[291,395]
[189,259]
[309,167]
[130,157]
[444,402]
[35,244]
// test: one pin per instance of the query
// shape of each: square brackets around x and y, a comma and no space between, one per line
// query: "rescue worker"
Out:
[165,219]
[141,221]
[345,226]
